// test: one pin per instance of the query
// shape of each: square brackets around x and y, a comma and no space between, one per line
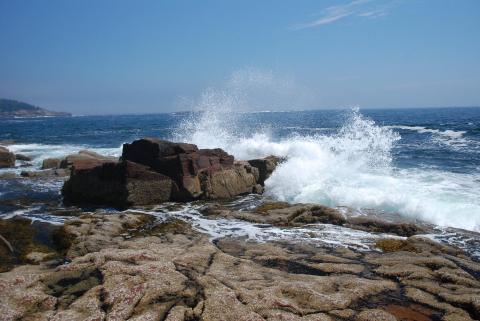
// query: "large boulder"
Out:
[184,163]
[117,184]
[7,158]
[152,171]
[51,163]
[174,159]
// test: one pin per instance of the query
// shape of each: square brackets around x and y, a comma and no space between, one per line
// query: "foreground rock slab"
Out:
[296,215]
[129,266]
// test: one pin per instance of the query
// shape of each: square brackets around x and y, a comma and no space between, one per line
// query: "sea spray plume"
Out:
[322,168]
[265,90]
[216,121]
[361,138]
[350,168]
[354,168]
[213,123]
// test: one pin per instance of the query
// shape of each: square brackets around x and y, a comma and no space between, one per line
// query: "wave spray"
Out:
[351,167]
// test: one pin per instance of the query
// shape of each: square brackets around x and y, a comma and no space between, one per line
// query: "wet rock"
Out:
[128,266]
[7,158]
[85,159]
[24,242]
[6,142]
[174,226]
[258,189]
[23,157]
[381,226]
[81,160]
[285,214]
[46,173]
[37,257]
[240,179]
[67,285]
[265,166]
[411,312]
[282,214]
[425,298]
[117,184]
[264,208]
[49,163]
[9,175]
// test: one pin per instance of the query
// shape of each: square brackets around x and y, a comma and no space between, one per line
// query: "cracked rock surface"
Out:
[130,267]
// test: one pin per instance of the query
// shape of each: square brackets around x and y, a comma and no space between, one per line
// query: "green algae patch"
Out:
[173,226]
[148,225]
[394,245]
[69,285]
[142,221]
[318,214]
[24,242]
[264,208]
[63,240]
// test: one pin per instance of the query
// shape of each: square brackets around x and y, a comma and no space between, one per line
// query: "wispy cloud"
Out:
[357,8]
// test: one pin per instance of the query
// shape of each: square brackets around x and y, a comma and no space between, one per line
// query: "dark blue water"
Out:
[419,162]
[445,138]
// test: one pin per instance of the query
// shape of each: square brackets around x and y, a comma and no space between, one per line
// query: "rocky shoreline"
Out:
[132,266]
[152,171]
[134,263]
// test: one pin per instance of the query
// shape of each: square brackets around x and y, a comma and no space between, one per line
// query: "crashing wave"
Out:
[351,167]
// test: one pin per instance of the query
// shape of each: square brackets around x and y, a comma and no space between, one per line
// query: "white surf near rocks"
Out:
[352,167]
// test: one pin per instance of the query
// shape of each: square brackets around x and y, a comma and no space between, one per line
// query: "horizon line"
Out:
[274,111]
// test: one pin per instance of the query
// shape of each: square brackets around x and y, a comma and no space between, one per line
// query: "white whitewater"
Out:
[350,168]
[39,152]
[319,234]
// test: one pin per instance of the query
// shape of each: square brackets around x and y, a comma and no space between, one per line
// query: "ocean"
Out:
[421,164]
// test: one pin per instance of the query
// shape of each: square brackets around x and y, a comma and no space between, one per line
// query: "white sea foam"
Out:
[420,129]
[350,168]
[36,214]
[319,234]
[453,138]
[39,152]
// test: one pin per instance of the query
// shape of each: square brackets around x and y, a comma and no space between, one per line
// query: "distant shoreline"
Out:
[35,116]
[16,109]
[270,111]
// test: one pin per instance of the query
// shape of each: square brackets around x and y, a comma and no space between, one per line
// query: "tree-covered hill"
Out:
[13,108]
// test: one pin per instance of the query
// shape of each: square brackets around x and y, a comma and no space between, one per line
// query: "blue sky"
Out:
[115,56]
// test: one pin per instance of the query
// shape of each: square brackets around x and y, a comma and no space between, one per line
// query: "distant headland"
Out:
[13,108]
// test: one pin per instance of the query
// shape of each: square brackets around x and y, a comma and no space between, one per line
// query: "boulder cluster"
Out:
[61,167]
[152,171]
